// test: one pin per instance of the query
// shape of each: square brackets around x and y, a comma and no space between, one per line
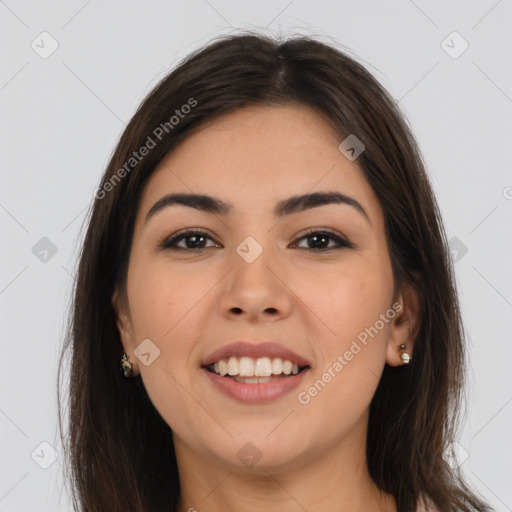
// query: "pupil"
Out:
[317,237]
[194,237]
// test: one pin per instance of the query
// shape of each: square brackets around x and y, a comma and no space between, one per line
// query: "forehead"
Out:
[255,156]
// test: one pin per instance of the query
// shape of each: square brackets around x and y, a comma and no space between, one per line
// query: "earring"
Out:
[405,357]
[125,366]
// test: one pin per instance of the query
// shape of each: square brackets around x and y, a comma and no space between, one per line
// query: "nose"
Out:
[257,290]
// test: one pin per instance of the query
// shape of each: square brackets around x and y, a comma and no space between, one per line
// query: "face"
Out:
[316,281]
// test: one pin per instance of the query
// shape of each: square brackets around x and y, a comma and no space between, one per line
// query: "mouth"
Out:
[261,370]
[255,373]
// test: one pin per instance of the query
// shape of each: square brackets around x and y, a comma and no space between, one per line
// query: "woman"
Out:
[266,263]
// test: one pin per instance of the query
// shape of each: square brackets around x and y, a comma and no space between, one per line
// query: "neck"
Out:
[336,479]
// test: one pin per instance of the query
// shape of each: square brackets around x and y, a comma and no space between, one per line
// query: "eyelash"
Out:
[170,243]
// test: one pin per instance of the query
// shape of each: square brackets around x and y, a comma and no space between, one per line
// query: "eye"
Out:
[196,238]
[321,238]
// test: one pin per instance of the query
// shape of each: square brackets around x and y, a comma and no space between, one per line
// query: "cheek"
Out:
[352,359]
[169,307]
[160,301]
[160,297]
[348,302]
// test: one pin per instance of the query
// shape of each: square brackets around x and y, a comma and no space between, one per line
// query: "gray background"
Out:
[62,115]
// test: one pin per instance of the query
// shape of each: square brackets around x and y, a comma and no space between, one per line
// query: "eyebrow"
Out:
[285,207]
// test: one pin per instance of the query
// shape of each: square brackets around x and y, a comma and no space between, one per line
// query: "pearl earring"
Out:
[405,357]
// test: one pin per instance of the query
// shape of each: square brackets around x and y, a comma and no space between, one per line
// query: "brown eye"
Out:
[194,240]
[320,241]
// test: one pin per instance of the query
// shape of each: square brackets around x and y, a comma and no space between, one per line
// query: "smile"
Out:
[253,371]
[254,381]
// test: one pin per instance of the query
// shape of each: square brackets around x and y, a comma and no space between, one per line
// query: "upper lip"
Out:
[265,349]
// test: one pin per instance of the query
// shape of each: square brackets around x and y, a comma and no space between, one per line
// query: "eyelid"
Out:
[340,239]
[169,242]
[166,241]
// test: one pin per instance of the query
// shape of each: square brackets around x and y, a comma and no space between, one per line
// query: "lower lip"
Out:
[255,393]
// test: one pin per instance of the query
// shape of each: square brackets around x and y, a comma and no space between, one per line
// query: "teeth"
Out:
[233,366]
[223,367]
[262,367]
[255,380]
[247,369]
[277,366]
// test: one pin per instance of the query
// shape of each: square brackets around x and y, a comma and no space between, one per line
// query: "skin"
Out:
[316,303]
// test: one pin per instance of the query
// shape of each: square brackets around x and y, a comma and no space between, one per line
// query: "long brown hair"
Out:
[119,451]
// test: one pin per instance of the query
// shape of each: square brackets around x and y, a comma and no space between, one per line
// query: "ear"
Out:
[124,324]
[405,326]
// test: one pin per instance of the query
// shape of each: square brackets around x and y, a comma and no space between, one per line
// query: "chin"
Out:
[255,454]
